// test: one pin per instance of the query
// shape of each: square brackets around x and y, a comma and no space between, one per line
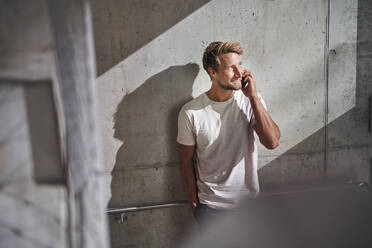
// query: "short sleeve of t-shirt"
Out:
[185,134]
[251,110]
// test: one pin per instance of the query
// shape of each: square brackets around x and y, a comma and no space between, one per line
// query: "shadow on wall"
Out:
[146,168]
[142,21]
[341,150]
[146,123]
[347,156]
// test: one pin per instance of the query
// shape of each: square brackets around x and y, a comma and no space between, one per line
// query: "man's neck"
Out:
[218,94]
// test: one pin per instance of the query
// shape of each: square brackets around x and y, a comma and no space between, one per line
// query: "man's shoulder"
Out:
[195,104]
[243,100]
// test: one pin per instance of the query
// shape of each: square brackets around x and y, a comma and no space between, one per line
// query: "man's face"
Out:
[229,74]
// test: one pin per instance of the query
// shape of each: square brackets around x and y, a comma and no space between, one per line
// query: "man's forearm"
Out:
[266,128]
[189,181]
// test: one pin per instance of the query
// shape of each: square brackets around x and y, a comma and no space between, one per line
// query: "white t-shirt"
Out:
[226,152]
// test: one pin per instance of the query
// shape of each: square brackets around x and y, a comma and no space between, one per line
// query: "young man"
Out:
[218,128]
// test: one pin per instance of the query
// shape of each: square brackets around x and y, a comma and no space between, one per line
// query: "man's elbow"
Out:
[272,144]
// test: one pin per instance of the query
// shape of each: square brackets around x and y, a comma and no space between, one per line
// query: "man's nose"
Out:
[238,72]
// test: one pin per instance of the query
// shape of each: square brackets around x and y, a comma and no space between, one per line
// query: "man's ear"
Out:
[212,72]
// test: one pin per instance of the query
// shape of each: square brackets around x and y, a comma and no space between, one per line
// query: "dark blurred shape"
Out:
[328,216]
[44,133]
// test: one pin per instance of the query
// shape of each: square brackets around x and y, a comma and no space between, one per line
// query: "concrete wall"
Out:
[340,150]
[308,68]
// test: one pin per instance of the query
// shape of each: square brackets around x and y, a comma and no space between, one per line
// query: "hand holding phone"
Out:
[248,84]
[244,82]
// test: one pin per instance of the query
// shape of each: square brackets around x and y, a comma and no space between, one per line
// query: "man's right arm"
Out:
[188,173]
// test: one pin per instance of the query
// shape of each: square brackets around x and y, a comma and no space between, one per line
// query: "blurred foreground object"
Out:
[51,183]
[328,216]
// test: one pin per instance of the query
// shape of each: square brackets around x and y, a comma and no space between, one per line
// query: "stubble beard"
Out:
[228,86]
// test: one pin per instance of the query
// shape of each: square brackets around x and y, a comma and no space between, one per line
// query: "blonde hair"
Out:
[215,49]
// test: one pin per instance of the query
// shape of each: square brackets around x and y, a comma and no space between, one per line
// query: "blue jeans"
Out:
[204,214]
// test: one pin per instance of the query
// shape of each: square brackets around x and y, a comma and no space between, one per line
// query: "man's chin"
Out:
[232,86]
[237,85]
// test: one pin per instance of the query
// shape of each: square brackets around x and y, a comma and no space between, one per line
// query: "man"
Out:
[218,127]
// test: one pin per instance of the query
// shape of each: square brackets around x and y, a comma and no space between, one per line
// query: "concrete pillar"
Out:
[51,161]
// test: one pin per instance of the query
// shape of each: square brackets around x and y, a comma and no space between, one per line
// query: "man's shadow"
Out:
[146,123]
[146,168]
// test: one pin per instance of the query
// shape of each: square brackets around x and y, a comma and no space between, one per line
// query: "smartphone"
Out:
[244,84]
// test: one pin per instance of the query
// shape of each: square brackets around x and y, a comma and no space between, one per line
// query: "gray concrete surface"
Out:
[153,228]
[147,69]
